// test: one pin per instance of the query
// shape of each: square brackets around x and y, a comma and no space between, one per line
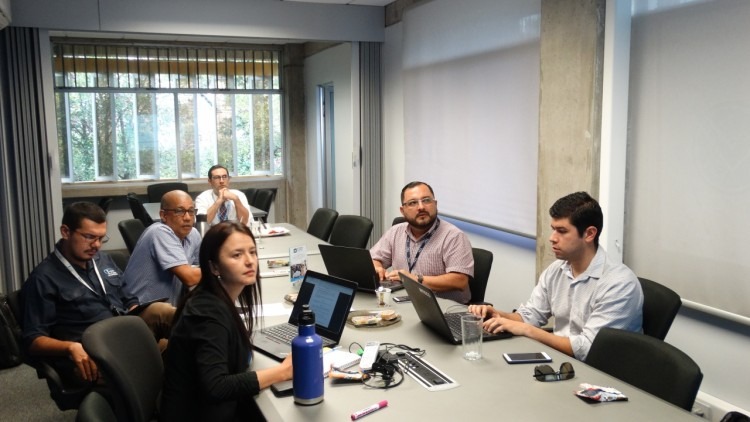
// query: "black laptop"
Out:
[354,264]
[330,298]
[447,325]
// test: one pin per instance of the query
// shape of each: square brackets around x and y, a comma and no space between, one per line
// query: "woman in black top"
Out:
[207,374]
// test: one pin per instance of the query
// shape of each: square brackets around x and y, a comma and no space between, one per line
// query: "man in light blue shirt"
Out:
[165,258]
[584,290]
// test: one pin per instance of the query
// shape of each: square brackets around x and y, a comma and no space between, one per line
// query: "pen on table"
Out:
[366,411]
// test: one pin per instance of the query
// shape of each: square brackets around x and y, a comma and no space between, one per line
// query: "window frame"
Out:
[209,83]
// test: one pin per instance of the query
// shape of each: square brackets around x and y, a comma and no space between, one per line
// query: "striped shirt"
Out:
[448,250]
[607,294]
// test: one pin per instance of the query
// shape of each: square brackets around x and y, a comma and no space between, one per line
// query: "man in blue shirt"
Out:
[164,261]
[74,287]
[584,289]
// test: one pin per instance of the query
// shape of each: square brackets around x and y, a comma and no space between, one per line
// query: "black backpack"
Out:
[10,332]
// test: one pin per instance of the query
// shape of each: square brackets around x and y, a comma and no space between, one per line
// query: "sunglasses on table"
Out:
[545,373]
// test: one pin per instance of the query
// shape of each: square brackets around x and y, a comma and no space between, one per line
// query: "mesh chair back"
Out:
[138,210]
[322,222]
[351,230]
[131,230]
[660,306]
[156,190]
[126,353]
[647,363]
[482,267]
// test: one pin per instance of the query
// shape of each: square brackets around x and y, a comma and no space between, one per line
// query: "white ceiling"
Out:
[356,2]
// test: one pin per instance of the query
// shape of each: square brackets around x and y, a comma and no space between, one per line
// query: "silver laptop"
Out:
[329,297]
[446,325]
[354,264]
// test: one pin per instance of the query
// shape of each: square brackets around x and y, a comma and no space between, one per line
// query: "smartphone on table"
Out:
[535,357]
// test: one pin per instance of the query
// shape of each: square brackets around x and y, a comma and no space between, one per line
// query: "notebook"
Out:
[330,298]
[354,264]
[447,325]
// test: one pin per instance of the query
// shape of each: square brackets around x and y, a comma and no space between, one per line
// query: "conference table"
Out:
[153,209]
[489,388]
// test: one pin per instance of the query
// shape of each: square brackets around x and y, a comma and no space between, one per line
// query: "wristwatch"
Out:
[420,278]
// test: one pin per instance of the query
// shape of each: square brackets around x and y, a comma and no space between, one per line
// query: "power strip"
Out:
[424,373]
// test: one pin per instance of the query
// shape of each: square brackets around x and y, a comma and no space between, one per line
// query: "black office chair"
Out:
[660,306]
[250,195]
[95,408]
[131,230]
[65,395]
[105,203]
[482,267]
[126,353]
[155,191]
[120,257]
[322,222]
[138,210]
[735,416]
[351,230]
[647,363]
[263,200]
[398,220]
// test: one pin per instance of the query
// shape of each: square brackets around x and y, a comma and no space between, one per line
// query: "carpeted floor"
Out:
[24,397]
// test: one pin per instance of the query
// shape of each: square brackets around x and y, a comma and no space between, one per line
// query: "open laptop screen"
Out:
[328,298]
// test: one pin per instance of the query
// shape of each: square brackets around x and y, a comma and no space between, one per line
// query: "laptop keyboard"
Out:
[454,322]
[285,333]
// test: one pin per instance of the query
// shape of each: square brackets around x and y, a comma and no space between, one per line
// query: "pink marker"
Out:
[367,410]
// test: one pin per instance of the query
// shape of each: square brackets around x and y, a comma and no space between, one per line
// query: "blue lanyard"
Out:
[423,242]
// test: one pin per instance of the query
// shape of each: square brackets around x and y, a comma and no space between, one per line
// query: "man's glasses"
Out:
[222,177]
[180,211]
[91,238]
[427,201]
[546,373]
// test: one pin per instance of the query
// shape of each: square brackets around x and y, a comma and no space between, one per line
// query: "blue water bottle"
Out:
[307,361]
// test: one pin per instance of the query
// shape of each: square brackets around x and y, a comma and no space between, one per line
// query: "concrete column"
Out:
[570,107]
[296,157]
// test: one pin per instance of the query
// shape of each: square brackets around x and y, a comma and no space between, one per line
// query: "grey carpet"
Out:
[24,397]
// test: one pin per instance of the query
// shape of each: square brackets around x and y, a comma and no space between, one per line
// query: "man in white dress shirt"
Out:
[221,203]
[584,289]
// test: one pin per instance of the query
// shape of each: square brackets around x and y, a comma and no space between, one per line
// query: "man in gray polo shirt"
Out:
[166,256]
[430,250]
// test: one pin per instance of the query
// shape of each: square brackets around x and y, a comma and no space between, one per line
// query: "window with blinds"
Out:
[128,112]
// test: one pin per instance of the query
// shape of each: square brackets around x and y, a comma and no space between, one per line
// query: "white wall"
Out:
[333,65]
[514,267]
[718,346]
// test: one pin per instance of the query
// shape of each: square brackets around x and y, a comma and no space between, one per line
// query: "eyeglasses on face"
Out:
[426,201]
[92,238]
[545,373]
[222,177]
[180,211]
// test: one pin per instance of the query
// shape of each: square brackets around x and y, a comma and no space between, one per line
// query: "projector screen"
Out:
[688,194]
[471,106]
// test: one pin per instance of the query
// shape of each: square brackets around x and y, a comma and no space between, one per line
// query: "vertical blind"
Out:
[105,64]
[26,223]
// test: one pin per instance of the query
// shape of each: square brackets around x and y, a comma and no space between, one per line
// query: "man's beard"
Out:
[415,223]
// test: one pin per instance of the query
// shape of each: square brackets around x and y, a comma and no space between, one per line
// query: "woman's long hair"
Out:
[250,295]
